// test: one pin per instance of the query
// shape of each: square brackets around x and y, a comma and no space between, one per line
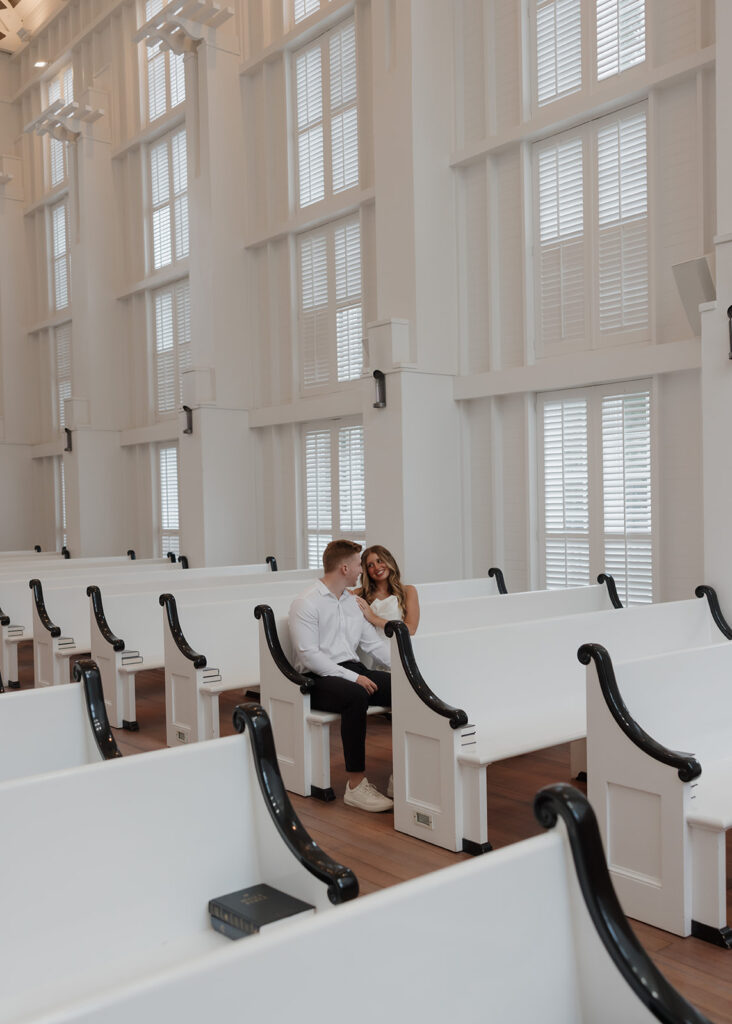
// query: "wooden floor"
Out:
[381,857]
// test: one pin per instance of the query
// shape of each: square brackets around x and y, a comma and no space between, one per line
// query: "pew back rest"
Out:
[134,615]
[485,972]
[444,615]
[682,699]
[477,669]
[226,632]
[221,576]
[112,897]
[44,730]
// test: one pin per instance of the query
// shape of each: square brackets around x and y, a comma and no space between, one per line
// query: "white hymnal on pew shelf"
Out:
[247,911]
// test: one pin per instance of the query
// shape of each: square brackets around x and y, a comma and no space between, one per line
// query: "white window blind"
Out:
[626,488]
[165,73]
[62,376]
[169,198]
[621,35]
[566,494]
[596,484]
[60,490]
[335,503]
[562,256]
[172,327]
[327,115]
[169,518]
[331,318]
[623,223]
[558,49]
[304,8]
[60,269]
[61,87]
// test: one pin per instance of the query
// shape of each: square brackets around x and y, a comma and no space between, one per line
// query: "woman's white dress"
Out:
[386,608]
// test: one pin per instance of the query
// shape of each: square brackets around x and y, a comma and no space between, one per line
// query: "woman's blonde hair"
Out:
[367,589]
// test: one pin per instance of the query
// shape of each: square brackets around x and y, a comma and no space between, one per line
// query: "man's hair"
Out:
[337,552]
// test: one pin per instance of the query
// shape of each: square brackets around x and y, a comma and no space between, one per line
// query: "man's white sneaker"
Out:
[390,787]
[366,797]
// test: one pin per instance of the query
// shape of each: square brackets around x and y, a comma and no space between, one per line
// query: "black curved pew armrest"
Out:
[101,620]
[171,609]
[265,613]
[457,716]
[86,672]
[37,589]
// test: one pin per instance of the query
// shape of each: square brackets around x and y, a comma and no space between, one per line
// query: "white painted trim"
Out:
[166,430]
[338,403]
[583,369]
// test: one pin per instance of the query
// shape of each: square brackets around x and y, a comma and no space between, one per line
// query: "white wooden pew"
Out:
[463,700]
[55,728]
[127,632]
[303,734]
[94,902]
[16,602]
[532,933]
[664,812]
[53,644]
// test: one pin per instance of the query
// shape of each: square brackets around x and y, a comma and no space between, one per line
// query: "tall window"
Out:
[169,198]
[619,30]
[302,9]
[60,491]
[335,504]
[172,328]
[169,519]
[331,319]
[591,268]
[596,488]
[327,115]
[61,87]
[62,371]
[166,86]
[59,256]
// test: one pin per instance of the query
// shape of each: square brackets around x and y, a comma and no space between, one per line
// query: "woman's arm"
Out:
[411,617]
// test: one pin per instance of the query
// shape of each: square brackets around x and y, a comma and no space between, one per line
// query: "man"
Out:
[326,627]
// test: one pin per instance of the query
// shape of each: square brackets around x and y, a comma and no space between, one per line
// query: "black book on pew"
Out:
[248,911]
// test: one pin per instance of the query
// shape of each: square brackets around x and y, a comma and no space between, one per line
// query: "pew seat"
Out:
[533,932]
[94,902]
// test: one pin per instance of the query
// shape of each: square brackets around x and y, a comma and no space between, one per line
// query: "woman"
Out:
[382,595]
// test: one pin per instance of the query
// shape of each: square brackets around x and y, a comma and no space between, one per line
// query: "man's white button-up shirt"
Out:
[327,630]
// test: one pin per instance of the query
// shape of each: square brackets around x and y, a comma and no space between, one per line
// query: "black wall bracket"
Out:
[729,317]
[69,445]
[189,419]
[380,380]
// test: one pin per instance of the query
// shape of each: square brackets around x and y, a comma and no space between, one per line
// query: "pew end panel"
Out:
[641,804]
[201,828]
[585,966]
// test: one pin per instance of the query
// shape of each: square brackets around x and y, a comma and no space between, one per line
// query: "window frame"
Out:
[593,337]
[55,260]
[58,379]
[181,351]
[333,429]
[171,202]
[596,534]
[161,530]
[144,63]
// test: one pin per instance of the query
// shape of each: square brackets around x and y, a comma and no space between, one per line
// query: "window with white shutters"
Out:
[61,87]
[558,36]
[326,115]
[169,199]
[169,518]
[60,271]
[592,257]
[62,371]
[331,316]
[621,35]
[596,483]
[172,331]
[60,492]
[302,9]
[165,76]
[335,503]
[622,223]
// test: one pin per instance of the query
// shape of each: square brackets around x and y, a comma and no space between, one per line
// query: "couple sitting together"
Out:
[332,626]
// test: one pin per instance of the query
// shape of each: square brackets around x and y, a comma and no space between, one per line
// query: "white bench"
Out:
[465,699]
[51,729]
[532,933]
[660,779]
[16,602]
[93,902]
[53,644]
[127,633]
[303,734]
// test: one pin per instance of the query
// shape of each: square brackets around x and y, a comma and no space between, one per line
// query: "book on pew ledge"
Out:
[248,911]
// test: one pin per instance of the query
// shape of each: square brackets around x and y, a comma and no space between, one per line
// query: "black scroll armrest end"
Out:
[457,717]
[711,595]
[167,601]
[495,572]
[101,620]
[612,589]
[86,672]
[37,589]
[264,613]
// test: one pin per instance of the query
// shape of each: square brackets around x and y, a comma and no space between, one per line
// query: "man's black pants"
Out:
[350,701]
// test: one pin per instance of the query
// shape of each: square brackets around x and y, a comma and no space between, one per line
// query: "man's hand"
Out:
[368,684]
